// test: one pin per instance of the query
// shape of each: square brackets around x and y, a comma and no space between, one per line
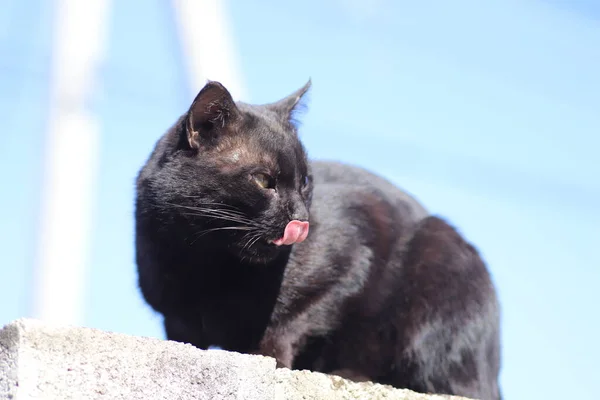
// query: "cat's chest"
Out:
[222,283]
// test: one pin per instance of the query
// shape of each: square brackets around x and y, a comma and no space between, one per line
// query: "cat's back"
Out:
[345,180]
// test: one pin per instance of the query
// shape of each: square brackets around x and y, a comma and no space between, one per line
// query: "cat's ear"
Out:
[286,106]
[212,109]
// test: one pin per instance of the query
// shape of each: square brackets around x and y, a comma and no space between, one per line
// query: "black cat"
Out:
[244,244]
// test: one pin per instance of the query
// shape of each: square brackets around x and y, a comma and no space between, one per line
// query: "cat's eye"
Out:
[305,181]
[264,181]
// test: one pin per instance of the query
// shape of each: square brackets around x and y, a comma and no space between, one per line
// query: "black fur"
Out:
[380,290]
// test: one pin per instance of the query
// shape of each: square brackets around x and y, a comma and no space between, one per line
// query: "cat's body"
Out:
[378,289]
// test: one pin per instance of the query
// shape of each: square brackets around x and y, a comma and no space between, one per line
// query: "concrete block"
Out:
[43,361]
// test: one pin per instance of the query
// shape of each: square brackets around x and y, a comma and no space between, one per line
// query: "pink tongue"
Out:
[295,232]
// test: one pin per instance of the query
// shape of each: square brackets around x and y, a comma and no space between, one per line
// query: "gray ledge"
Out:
[42,361]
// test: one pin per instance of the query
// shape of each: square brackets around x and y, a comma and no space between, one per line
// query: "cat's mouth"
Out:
[294,232]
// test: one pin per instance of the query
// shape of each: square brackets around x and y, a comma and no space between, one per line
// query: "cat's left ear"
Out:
[286,106]
[210,113]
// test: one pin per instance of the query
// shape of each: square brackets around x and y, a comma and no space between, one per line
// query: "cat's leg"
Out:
[279,345]
[178,330]
[459,370]
[284,340]
[450,316]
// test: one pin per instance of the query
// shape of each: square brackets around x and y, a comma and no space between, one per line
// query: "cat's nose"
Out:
[297,209]
[300,213]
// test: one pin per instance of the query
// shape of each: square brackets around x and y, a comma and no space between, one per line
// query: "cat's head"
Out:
[237,174]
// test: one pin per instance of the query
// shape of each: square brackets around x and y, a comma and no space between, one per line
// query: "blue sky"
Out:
[486,111]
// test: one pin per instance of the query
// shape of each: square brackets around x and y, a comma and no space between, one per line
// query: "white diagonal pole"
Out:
[207,43]
[71,156]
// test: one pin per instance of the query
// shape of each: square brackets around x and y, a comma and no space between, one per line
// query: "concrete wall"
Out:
[40,361]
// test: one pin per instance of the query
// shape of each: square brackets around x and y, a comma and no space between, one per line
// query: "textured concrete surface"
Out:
[40,361]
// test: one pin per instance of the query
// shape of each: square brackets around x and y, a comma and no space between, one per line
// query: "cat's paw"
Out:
[279,350]
[281,364]
[350,375]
